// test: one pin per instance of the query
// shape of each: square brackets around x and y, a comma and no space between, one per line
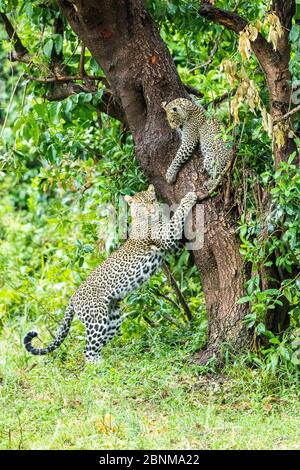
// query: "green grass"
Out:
[147,394]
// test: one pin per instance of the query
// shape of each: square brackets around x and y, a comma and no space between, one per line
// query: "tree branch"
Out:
[287,115]
[20,52]
[108,105]
[111,106]
[64,85]
[236,23]
[63,79]
[220,99]
[81,63]
[57,59]
[193,91]
[230,20]
[285,10]
[18,45]
[64,90]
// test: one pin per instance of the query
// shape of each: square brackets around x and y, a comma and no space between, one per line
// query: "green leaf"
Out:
[274,340]
[58,43]
[295,33]
[48,46]
[261,328]
[271,292]
[244,300]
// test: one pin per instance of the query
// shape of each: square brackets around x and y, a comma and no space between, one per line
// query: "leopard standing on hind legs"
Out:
[97,300]
[191,122]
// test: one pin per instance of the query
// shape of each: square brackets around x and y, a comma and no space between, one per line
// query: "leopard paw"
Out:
[209,184]
[191,198]
[171,176]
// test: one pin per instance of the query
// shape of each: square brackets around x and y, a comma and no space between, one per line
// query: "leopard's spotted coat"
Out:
[190,120]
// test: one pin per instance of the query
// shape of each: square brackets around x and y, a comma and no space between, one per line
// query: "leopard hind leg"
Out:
[96,322]
[115,320]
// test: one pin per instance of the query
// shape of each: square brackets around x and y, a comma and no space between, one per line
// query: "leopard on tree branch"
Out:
[195,128]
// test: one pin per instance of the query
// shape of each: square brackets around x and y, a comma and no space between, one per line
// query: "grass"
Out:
[146,394]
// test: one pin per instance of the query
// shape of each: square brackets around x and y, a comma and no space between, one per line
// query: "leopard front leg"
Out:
[167,235]
[185,151]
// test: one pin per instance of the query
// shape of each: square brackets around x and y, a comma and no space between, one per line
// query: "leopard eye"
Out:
[174,109]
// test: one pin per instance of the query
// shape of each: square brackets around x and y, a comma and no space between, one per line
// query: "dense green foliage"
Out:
[59,167]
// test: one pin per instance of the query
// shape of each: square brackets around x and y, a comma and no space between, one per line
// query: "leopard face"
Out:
[144,211]
[144,202]
[179,111]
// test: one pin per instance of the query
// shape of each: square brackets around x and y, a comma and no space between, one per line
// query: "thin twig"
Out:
[21,433]
[10,103]
[168,299]
[149,321]
[63,79]
[81,62]
[287,115]
[86,186]
[221,176]
[213,53]
[177,290]
[172,320]
[220,99]
[193,91]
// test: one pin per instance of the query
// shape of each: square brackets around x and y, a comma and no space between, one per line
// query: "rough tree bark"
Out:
[125,42]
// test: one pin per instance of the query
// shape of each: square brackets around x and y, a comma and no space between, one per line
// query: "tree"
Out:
[139,75]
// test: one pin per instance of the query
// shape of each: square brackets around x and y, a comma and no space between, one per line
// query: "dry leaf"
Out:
[105,424]
[244,46]
[275,31]
[252,32]
[268,407]
[230,69]
[248,34]
[279,133]
[246,92]
[267,121]
[258,26]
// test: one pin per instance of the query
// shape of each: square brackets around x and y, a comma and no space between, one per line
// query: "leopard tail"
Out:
[61,335]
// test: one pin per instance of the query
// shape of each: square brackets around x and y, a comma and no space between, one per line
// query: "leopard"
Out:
[194,128]
[97,300]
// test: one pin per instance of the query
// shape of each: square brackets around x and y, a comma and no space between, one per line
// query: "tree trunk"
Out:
[125,42]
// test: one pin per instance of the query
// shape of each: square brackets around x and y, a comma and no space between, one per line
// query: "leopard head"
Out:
[144,211]
[179,111]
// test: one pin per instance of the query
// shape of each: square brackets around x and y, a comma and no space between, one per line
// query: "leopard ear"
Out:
[128,198]
[151,192]
[151,189]
[164,104]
